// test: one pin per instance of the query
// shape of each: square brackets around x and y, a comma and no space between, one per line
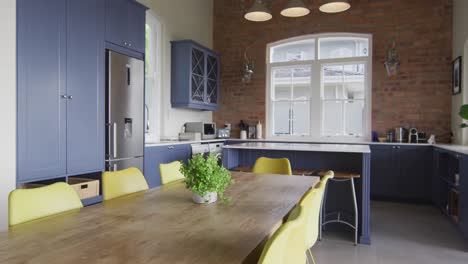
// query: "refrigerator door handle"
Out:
[114,126]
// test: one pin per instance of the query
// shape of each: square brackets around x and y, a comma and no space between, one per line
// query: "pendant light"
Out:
[334,6]
[258,12]
[295,8]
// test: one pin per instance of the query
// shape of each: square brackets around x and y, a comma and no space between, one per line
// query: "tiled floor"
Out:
[401,233]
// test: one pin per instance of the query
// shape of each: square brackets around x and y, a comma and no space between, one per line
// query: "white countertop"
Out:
[455,148]
[346,148]
[177,142]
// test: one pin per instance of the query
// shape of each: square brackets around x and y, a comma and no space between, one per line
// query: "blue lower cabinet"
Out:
[155,155]
[463,198]
[401,173]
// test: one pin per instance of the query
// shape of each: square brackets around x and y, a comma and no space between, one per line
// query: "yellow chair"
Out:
[287,243]
[170,172]
[30,204]
[272,166]
[123,182]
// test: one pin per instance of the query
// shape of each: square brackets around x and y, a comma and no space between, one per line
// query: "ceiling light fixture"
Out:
[295,8]
[334,6]
[258,12]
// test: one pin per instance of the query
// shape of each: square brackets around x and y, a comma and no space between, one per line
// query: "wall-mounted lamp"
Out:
[392,63]
[247,68]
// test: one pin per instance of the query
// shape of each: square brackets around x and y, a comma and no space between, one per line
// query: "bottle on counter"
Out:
[259,130]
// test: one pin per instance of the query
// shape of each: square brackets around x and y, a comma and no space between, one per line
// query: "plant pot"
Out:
[207,199]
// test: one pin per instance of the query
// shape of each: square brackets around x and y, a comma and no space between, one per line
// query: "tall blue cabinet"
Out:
[195,76]
[60,88]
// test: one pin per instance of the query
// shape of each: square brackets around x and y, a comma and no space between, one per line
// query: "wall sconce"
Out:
[392,64]
[247,68]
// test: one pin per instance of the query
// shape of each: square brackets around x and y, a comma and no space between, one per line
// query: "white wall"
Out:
[180,19]
[460,48]
[7,105]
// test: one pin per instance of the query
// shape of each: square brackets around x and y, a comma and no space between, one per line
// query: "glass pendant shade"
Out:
[258,12]
[334,6]
[295,8]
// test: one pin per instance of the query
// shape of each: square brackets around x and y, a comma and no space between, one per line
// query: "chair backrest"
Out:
[30,204]
[123,182]
[287,243]
[170,172]
[311,203]
[272,166]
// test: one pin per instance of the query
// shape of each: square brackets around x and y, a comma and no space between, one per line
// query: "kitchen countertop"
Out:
[345,148]
[455,148]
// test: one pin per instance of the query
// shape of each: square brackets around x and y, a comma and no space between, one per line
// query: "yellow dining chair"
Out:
[29,204]
[287,246]
[272,166]
[170,172]
[123,182]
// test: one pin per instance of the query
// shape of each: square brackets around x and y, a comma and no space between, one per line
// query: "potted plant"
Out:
[464,114]
[206,178]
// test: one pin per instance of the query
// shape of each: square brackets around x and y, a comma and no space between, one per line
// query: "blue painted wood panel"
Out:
[41,36]
[195,76]
[156,155]
[463,202]
[125,24]
[85,83]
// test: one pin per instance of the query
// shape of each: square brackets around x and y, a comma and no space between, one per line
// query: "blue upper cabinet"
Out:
[195,76]
[125,24]
[60,88]
[85,85]
[41,88]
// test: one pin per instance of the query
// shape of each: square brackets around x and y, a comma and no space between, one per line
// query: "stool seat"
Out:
[340,174]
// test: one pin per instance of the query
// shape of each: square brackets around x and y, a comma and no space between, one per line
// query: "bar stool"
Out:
[340,177]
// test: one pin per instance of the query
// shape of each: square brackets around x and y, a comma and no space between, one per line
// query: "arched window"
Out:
[319,87]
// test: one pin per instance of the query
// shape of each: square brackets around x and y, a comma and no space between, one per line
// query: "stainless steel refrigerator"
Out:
[125,112]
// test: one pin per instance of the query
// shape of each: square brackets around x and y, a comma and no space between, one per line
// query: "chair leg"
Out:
[311,256]
[356,216]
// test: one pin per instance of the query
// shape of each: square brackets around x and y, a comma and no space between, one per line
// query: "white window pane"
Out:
[301,118]
[302,83]
[293,51]
[282,92]
[343,47]
[282,76]
[281,112]
[332,118]
[301,92]
[354,81]
[354,117]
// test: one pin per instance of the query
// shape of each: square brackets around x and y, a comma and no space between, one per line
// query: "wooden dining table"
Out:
[162,225]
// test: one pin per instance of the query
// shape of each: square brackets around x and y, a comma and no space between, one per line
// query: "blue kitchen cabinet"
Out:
[401,173]
[463,198]
[41,87]
[85,86]
[155,155]
[125,24]
[60,88]
[195,76]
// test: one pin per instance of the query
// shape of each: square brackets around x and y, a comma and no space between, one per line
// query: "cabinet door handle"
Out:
[125,43]
[70,97]
[129,44]
[114,125]
[64,96]
[170,147]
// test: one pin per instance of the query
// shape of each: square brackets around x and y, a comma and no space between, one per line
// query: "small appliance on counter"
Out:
[413,136]
[391,135]
[223,133]
[207,130]
[400,134]
[190,136]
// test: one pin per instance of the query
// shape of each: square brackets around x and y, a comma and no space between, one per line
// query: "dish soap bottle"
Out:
[259,130]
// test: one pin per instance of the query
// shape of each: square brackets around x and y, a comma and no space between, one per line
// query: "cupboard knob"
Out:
[70,97]
[125,43]
[129,44]
[64,96]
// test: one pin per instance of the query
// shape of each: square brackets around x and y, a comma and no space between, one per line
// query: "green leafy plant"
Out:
[464,114]
[205,175]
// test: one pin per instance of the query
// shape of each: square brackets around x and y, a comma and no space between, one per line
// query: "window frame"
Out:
[155,111]
[316,86]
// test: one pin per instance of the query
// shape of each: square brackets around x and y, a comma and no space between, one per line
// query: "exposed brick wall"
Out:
[420,96]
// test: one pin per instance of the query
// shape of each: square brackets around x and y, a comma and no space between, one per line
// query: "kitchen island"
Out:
[336,157]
